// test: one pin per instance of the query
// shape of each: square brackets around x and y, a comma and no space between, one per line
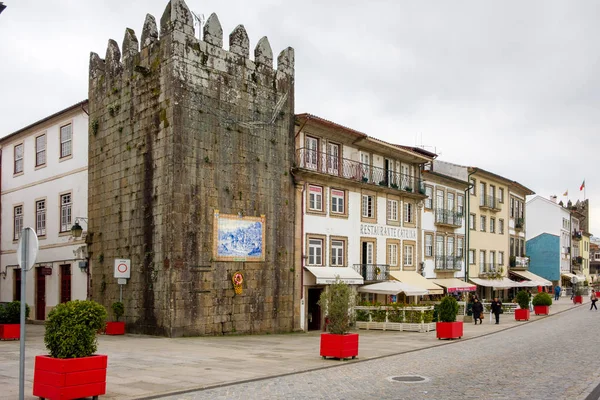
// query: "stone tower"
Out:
[181,132]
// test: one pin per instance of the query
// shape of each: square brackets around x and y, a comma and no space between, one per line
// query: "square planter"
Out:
[541,310]
[578,299]
[522,314]
[449,330]
[69,378]
[10,331]
[339,346]
[115,328]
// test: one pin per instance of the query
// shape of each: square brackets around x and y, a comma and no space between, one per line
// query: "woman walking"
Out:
[477,311]
[594,299]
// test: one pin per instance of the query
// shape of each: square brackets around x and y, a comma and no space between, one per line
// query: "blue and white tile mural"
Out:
[239,238]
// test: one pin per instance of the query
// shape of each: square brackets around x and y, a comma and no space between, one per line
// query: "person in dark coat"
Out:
[496,308]
[477,311]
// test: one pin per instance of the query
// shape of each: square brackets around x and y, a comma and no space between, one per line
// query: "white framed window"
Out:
[365,160]
[408,213]
[368,206]
[66,140]
[40,150]
[482,223]
[471,256]
[337,201]
[65,212]
[439,199]
[40,217]
[501,226]
[315,251]
[333,158]
[450,201]
[311,156]
[428,245]
[512,207]
[472,222]
[459,247]
[429,199]
[460,204]
[482,260]
[18,153]
[501,258]
[392,210]
[481,193]
[315,198]
[408,254]
[439,246]
[501,195]
[17,222]
[392,254]
[472,187]
[337,253]
[492,225]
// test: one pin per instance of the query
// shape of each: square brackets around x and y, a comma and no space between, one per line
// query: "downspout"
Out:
[468,224]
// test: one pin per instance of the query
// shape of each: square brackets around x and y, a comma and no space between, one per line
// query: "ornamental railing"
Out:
[448,263]
[489,202]
[448,217]
[324,163]
[373,272]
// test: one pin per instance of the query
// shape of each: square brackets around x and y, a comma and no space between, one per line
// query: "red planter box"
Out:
[69,378]
[578,299]
[598,295]
[541,310]
[449,330]
[522,314]
[115,328]
[339,346]
[10,331]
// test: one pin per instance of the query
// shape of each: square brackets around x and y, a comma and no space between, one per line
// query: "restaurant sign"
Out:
[388,231]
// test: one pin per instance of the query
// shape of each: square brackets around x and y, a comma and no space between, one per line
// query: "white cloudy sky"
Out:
[510,86]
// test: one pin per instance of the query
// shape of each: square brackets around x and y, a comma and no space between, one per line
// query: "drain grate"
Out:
[408,379]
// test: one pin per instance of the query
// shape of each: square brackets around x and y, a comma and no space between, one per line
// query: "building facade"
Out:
[44,186]
[358,208]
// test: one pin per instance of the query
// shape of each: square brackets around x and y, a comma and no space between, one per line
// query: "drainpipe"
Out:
[468,224]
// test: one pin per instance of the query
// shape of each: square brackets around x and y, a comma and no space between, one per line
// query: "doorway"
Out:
[40,294]
[314,310]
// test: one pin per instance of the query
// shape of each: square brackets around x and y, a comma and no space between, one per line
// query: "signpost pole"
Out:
[121,293]
[24,262]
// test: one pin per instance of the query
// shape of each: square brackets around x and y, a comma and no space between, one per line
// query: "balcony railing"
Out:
[519,223]
[519,262]
[489,202]
[488,268]
[373,272]
[324,163]
[452,263]
[577,235]
[448,217]
[577,260]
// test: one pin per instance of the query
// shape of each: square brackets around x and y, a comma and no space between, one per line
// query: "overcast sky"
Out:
[509,86]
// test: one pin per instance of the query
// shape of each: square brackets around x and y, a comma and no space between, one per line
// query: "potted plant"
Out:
[116,327]
[541,303]
[522,313]
[578,298]
[10,320]
[71,370]
[338,342]
[448,327]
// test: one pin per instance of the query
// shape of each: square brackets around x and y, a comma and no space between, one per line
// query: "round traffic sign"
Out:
[122,268]
[28,243]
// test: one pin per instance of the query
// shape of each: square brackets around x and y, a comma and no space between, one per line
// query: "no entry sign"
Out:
[122,268]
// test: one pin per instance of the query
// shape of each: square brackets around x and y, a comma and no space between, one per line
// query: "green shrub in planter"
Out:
[10,313]
[335,300]
[71,329]
[118,309]
[542,299]
[448,309]
[523,299]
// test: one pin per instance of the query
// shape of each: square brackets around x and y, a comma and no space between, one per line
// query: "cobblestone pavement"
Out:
[553,358]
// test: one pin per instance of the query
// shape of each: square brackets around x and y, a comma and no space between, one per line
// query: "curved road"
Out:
[552,358]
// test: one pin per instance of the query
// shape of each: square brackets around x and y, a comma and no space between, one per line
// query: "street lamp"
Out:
[77,230]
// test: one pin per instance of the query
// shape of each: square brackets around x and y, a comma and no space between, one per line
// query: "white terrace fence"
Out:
[390,318]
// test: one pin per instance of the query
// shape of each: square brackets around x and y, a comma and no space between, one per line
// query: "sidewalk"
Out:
[145,366]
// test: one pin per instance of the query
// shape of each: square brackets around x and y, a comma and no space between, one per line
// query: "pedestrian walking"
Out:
[556,292]
[497,309]
[594,299]
[477,311]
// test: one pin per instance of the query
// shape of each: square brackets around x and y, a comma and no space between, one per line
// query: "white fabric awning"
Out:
[414,279]
[455,285]
[503,283]
[531,277]
[392,288]
[574,278]
[328,275]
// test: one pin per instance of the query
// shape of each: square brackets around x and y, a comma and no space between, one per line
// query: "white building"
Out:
[44,186]
[358,203]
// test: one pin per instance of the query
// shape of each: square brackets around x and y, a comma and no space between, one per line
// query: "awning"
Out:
[328,275]
[393,287]
[574,278]
[531,277]
[503,283]
[414,279]
[455,285]
[568,275]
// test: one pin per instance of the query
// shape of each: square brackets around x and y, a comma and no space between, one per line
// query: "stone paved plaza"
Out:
[490,361]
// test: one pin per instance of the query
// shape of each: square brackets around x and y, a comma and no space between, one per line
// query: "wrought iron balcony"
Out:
[316,161]
[489,203]
[373,272]
[519,223]
[488,269]
[452,263]
[519,262]
[448,218]
[577,235]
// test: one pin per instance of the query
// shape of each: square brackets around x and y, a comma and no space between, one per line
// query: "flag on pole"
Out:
[582,185]
[566,193]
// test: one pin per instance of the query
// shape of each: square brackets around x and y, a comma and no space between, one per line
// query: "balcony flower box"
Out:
[10,331]
[339,346]
[449,330]
[521,314]
[541,310]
